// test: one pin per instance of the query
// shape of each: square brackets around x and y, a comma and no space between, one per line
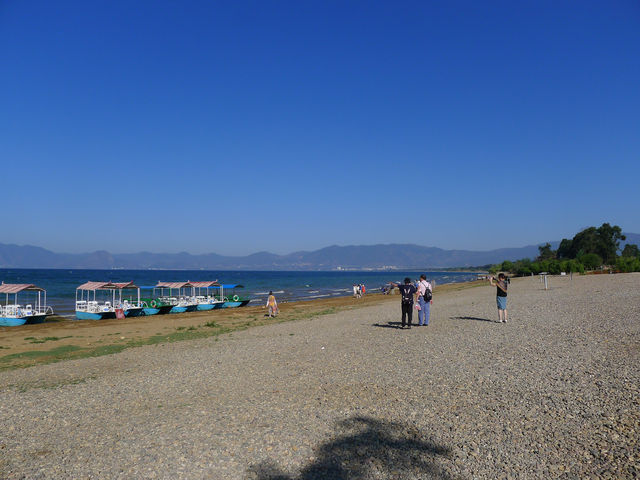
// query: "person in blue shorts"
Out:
[501,296]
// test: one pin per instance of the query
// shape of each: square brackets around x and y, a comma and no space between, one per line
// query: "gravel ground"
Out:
[554,393]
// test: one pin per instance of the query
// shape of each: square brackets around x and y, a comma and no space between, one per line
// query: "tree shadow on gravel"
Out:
[368,448]
[388,325]
[479,319]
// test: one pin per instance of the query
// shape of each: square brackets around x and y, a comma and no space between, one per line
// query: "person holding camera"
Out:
[501,296]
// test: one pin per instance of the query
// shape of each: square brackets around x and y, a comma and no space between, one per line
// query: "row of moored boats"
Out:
[103,300]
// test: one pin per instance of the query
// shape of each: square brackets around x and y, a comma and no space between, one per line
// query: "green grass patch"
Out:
[58,353]
[27,359]
[46,339]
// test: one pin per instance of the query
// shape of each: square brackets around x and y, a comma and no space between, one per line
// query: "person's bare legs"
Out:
[506,316]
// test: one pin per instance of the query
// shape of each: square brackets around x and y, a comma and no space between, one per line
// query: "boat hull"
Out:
[95,316]
[36,319]
[133,312]
[12,322]
[161,310]
[206,306]
[232,304]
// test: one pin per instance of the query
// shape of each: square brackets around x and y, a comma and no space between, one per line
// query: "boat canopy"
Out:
[205,284]
[232,285]
[174,285]
[106,286]
[19,287]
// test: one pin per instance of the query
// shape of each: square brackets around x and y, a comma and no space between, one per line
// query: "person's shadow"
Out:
[388,325]
[370,448]
[479,319]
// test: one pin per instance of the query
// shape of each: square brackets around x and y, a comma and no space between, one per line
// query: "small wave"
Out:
[317,296]
[315,291]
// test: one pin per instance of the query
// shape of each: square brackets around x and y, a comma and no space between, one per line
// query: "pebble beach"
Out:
[553,393]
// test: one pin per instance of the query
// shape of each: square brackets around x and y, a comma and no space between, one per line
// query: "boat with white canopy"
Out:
[205,299]
[90,306]
[183,301]
[15,314]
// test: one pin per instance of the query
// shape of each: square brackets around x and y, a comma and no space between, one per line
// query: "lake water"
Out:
[287,286]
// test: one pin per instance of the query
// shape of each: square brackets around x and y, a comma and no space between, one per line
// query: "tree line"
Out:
[590,249]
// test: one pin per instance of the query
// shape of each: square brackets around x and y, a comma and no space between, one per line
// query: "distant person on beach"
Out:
[272,305]
[501,296]
[425,306]
[407,291]
[363,290]
[355,291]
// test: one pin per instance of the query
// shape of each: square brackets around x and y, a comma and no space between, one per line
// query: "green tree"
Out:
[628,264]
[546,253]
[565,249]
[609,242]
[603,241]
[631,251]
[507,266]
[591,261]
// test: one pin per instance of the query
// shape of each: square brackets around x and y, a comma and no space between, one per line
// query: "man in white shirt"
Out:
[425,307]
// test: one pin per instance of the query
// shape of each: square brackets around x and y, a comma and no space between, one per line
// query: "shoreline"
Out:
[551,394]
[65,339]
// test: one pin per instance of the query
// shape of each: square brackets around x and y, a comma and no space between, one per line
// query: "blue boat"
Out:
[183,302]
[14,315]
[232,300]
[205,300]
[88,307]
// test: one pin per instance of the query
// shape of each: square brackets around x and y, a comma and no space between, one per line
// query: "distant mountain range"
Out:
[377,257]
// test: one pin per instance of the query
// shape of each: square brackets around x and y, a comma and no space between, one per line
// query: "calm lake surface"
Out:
[287,286]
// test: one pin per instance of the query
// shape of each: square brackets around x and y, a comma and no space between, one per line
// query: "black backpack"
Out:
[407,295]
[428,296]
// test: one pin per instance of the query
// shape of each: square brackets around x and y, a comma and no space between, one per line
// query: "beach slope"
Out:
[348,395]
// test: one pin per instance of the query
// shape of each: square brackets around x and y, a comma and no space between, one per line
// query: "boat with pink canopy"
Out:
[91,306]
[15,314]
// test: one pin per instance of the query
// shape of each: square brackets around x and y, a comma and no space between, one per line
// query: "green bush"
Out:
[628,264]
[591,261]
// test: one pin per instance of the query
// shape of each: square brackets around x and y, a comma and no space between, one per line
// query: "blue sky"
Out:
[236,127]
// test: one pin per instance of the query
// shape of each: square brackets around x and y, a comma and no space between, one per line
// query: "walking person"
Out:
[407,291]
[501,296]
[425,293]
[272,305]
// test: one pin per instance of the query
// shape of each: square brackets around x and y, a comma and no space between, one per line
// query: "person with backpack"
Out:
[407,291]
[425,295]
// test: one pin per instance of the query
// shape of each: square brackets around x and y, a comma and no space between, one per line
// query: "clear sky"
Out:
[236,127]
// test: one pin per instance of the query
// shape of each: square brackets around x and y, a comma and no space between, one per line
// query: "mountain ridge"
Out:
[333,257]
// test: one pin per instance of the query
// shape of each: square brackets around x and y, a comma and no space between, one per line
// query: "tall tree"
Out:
[631,250]
[603,241]
[545,252]
[609,242]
